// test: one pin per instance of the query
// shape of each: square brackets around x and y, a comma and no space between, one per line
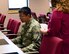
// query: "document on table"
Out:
[44,26]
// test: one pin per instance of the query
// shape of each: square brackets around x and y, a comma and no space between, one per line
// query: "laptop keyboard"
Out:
[3,42]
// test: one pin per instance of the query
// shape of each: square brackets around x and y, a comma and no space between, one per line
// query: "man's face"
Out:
[23,17]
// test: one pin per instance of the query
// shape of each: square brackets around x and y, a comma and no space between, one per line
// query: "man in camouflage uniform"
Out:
[30,37]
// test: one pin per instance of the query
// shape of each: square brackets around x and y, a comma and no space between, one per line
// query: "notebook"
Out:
[44,27]
[3,42]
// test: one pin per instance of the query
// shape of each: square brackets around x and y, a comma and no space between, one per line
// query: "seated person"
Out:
[30,37]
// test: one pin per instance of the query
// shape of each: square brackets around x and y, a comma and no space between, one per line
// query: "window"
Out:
[16,4]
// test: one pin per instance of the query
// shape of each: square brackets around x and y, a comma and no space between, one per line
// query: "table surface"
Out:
[10,47]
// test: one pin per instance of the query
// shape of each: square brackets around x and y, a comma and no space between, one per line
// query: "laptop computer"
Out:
[3,42]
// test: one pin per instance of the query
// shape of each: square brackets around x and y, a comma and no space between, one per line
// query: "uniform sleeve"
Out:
[17,40]
[36,33]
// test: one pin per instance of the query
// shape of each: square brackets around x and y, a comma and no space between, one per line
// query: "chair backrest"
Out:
[9,24]
[34,15]
[0,14]
[2,19]
[49,15]
[49,45]
[15,26]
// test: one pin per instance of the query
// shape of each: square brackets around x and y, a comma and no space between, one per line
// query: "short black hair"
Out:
[25,10]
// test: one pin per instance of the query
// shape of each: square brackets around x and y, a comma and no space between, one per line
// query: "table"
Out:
[9,46]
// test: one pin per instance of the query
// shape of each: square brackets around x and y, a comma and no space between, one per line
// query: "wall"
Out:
[38,6]
[4,10]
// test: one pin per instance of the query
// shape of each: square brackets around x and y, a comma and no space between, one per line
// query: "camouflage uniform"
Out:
[30,36]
